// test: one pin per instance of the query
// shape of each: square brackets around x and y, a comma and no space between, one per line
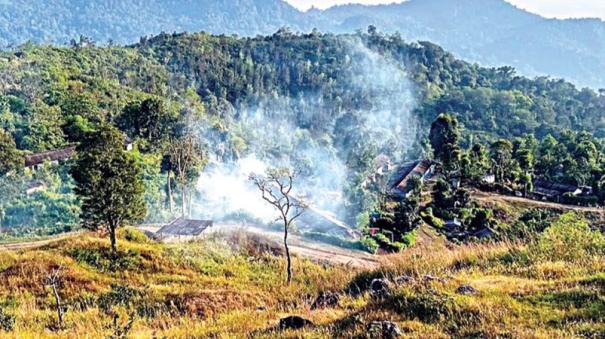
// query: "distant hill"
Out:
[59,21]
[490,32]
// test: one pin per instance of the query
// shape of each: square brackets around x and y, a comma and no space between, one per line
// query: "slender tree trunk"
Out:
[289,268]
[183,201]
[58,304]
[190,200]
[170,198]
[112,238]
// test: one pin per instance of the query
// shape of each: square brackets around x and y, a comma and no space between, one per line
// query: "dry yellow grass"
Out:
[228,289]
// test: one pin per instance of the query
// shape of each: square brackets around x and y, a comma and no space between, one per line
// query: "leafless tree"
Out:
[276,187]
[53,280]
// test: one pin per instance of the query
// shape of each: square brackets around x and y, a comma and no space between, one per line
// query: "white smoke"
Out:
[275,129]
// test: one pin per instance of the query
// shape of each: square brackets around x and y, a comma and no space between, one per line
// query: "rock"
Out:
[380,288]
[404,280]
[430,278]
[293,322]
[325,300]
[467,290]
[384,329]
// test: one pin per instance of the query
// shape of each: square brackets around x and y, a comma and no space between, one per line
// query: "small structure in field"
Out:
[554,191]
[37,160]
[422,169]
[34,187]
[488,179]
[184,229]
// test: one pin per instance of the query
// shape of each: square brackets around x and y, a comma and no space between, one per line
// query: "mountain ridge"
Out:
[491,33]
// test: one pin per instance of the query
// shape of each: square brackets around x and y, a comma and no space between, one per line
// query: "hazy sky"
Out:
[547,8]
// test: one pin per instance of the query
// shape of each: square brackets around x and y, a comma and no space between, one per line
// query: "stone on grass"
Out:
[384,329]
[326,300]
[404,280]
[380,288]
[293,322]
[467,290]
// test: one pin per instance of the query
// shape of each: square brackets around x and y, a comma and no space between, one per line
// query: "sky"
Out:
[547,8]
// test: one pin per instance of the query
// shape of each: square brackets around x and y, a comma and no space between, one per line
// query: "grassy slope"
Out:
[231,288]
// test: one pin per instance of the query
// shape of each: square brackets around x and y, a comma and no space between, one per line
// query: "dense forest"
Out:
[326,88]
[491,32]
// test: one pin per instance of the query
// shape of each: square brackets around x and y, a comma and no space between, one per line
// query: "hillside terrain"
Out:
[295,185]
[491,32]
[241,96]
[232,287]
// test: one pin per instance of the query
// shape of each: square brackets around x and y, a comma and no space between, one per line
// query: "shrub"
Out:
[432,220]
[409,239]
[102,259]
[369,244]
[119,295]
[569,239]
[361,283]
[7,321]
[133,235]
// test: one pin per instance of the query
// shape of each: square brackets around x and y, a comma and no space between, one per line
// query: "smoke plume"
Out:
[375,114]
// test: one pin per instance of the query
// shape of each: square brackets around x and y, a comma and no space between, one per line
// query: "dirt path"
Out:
[315,251]
[36,244]
[493,197]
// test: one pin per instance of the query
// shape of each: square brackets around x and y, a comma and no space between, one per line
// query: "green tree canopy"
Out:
[10,158]
[108,182]
[444,137]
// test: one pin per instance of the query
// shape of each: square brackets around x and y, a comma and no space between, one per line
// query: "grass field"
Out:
[552,287]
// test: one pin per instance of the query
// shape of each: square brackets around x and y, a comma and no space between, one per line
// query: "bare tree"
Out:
[186,160]
[53,280]
[276,187]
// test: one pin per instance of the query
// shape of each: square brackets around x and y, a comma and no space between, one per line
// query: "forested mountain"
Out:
[59,21]
[491,32]
[329,103]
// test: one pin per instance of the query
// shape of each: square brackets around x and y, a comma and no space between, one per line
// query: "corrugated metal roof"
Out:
[550,188]
[185,227]
[54,155]
[408,171]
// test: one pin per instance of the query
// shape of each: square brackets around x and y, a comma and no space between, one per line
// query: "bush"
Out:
[7,321]
[361,283]
[569,239]
[103,260]
[432,220]
[133,235]
[369,244]
[120,295]
[409,239]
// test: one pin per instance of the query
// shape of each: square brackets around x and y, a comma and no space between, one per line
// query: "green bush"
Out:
[432,220]
[569,239]
[103,260]
[133,235]
[120,295]
[409,239]
[7,321]
[369,244]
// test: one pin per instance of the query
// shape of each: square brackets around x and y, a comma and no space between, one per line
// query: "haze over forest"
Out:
[491,32]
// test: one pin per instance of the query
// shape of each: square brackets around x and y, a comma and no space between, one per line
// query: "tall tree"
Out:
[186,160]
[108,183]
[277,189]
[501,153]
[10,158]
[444,137]
[150,120]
